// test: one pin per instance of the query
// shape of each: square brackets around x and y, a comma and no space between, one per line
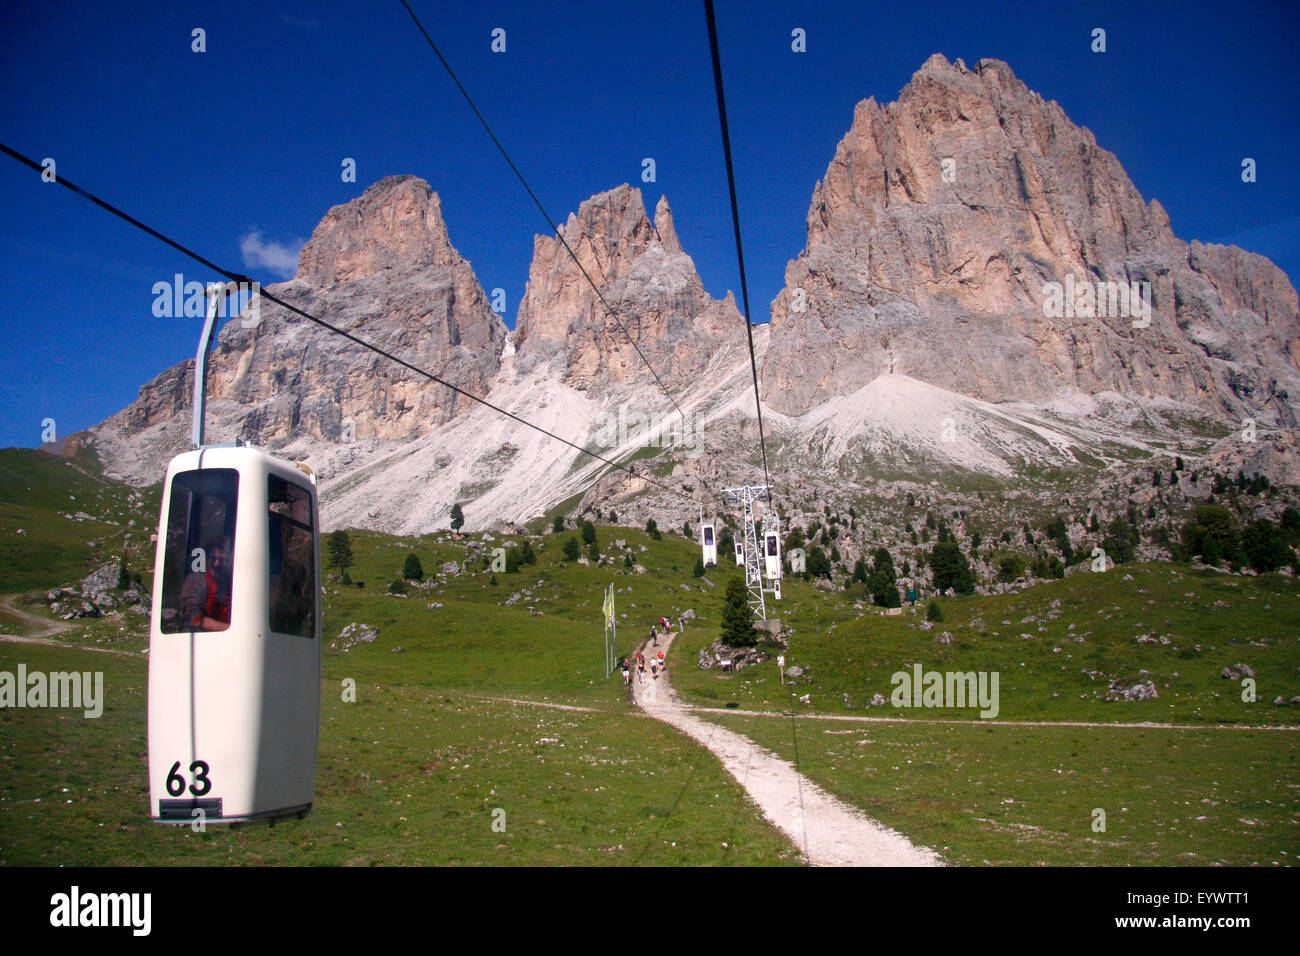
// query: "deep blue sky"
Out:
[250,136]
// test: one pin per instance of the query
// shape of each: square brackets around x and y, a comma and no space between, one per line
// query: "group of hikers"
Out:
[656,661]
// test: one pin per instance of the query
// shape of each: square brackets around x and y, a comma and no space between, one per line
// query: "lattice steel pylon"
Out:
[746,496]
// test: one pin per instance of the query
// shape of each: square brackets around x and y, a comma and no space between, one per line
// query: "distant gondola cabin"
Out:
[772,555]
[709,544]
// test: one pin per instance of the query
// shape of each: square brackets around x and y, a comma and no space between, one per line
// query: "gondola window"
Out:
[198,564]
[292,565]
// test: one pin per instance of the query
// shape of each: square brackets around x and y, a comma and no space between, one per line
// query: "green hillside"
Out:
[59,520]
[413,771]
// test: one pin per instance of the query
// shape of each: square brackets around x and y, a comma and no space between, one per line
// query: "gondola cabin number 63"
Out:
[235,639]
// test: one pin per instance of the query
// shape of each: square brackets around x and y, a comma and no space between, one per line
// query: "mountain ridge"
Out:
[911,266]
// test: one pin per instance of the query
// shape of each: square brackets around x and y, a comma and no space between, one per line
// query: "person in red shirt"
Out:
[205,595]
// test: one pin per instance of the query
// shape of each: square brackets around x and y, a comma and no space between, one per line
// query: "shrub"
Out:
[397,587]
[413,570]
[934,612]
[571,549]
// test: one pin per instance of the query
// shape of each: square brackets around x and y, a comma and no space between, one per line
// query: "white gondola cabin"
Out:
[772,556]
[740,552]
[235,639]
[710,545]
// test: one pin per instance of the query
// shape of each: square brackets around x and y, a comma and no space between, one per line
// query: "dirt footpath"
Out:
[827,831]
[45,628]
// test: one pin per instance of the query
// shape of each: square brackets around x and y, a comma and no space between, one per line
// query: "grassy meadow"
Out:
[433,752]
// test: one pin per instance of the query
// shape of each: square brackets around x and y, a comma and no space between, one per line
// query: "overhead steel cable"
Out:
[538,203]
[239,277]
[735,218]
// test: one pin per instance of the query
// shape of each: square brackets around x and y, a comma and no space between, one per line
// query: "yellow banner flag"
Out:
[609,605]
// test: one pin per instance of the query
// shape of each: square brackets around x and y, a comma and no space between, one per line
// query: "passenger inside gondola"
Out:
[205,595]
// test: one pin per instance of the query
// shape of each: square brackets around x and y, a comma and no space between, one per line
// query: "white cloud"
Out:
[275,257]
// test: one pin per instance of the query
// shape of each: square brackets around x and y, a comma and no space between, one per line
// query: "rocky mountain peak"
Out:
[396,224]
[382,267]
[942,219]
[645,277]
[665,228]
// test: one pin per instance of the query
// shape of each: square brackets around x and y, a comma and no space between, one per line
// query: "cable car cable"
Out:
[735,218]
[238,277]
[538,203]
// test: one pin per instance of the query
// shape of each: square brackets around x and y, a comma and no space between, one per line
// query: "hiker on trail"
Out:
[627,674]
[668,628]
[654,636]
[654,667]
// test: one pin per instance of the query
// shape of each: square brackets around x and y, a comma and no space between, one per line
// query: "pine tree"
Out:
[340,548]
[726,542]
[883,581]
[860,571]
[1120,541]
[951,569]
[526,555]
[558,525]
[593,552]
[737,622]
[652,529]
[457,517]
[699,567]
[934,612]
[413,570]
[817,563]
[588,533]
[571,549]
